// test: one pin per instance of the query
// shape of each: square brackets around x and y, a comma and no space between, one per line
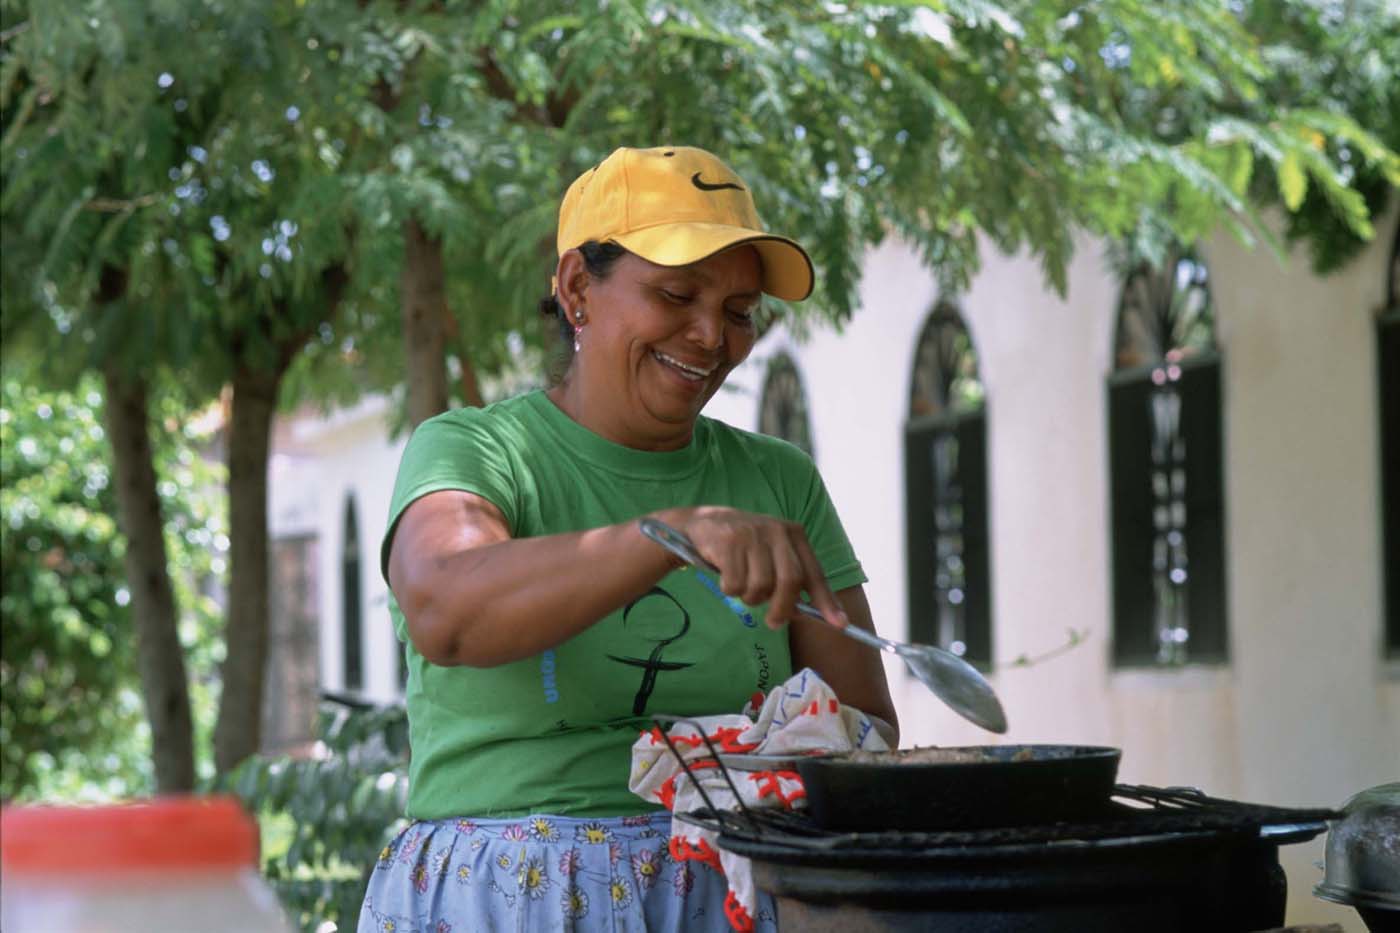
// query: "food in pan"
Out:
[934,755]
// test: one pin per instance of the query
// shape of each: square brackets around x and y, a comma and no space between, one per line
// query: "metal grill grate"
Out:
[1136,812]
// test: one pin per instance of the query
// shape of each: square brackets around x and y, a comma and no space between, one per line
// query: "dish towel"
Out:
[801,715]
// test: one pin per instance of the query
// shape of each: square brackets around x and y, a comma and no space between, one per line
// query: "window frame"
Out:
[781,365]
[1160,515]
[929,600]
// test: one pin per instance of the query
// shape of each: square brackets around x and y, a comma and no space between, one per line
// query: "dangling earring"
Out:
[578,329]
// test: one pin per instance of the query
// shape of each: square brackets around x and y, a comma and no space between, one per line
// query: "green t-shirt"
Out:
[553,733]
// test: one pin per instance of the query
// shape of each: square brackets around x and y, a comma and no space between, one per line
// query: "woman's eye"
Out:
[675,297]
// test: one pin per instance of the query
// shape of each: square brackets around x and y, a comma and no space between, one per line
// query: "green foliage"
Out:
[227,155]
[326,819]
[155,159]
[1339,62]
[1314,131]
[71,723]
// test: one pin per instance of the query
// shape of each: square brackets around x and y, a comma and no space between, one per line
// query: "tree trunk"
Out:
[238,732]
[160,657]
[471,388]
[423,302]
[467,381]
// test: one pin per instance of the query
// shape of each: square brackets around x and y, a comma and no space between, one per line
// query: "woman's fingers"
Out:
[729,552]
[763,559]
[762,571]
[787,581]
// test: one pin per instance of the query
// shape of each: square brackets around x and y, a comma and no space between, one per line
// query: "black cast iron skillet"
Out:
[1011,785]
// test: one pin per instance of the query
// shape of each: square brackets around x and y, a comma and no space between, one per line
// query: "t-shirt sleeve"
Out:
[457,450]
[817,514]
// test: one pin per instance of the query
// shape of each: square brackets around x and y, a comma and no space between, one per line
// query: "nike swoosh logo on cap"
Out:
[706,186]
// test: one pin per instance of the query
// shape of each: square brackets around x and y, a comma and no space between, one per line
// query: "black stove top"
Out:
[1136,816]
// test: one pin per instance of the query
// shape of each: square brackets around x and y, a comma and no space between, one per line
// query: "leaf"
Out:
[1292,181]
[248,781]
[1241,168]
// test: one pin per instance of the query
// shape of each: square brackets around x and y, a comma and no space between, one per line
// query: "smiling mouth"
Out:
[692,373]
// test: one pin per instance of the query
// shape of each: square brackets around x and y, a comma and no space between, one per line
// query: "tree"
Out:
[70,710]
[64,227]
[212,194]
[1021,120]
[167,260]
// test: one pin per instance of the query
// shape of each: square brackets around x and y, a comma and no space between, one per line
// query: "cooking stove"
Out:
[1155,860]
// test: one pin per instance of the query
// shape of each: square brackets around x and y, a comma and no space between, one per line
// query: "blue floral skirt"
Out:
[547,873]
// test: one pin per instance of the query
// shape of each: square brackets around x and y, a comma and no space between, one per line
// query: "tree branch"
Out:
[1076,637]
[334,279]
[15,30]
[500,88]
[117,205]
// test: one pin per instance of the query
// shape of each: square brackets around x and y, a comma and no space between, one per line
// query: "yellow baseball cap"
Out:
[675,205]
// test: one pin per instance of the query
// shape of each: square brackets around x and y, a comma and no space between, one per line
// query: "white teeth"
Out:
[688,370]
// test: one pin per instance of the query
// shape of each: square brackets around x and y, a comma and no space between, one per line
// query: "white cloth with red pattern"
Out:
[802,715]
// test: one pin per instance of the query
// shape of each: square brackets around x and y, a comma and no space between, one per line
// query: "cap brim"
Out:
[787,270]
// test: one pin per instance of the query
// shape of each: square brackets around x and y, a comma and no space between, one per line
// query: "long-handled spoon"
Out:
[954,681]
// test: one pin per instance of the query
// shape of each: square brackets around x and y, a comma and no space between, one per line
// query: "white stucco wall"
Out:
[1305,713]
[328,461]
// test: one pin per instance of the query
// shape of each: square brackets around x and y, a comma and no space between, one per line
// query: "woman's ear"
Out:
[572,280]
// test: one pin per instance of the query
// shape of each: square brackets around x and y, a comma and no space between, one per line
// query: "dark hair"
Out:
[598,258]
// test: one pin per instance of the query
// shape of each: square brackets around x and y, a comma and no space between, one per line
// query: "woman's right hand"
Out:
[760,559]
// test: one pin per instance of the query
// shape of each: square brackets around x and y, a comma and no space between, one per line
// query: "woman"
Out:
[543,629]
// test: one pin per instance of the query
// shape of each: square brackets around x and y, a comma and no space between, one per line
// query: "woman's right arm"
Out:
[473,595]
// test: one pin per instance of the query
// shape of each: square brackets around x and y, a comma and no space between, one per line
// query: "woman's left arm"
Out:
[853,670]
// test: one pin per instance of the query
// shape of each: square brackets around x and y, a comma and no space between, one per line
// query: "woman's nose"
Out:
[707,328]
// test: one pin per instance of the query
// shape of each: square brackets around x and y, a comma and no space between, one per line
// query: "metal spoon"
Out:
[954,681]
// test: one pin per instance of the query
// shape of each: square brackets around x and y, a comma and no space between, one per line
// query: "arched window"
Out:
[353,651]
[782,409]
[1388,352]
[1165,461]
[945,479]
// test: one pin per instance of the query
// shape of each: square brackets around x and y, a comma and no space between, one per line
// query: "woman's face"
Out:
[660,341]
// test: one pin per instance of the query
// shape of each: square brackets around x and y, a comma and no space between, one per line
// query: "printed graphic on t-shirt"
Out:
[662,629]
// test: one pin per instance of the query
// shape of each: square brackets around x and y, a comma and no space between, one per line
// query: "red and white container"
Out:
[173,863]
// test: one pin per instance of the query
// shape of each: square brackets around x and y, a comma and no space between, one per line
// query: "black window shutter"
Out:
[1130,503]
[1388,344]
[350,600]
[922,533]
[1205,511]
[972,468]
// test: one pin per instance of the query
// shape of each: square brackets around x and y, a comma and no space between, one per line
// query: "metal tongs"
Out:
[954,681]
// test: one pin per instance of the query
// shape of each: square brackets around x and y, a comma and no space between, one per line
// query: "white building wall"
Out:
[1303,487]
[1305,713]
[348,454]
